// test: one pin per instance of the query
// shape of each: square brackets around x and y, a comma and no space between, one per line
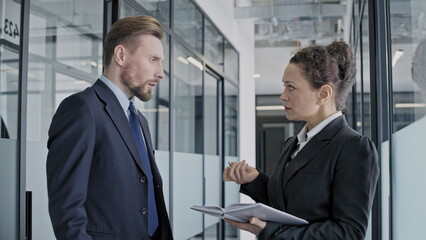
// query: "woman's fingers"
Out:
[239,172]
[225,174]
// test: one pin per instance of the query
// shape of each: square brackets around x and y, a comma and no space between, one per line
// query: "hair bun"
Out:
[342,52]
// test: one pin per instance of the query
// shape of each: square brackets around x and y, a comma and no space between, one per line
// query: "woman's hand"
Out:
[240,172]
[255,225]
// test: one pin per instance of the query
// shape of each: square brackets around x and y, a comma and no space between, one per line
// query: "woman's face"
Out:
[300,100]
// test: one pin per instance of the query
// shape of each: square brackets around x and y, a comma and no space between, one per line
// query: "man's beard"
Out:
[142,92]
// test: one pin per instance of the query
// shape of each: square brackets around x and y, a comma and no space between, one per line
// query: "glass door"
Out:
[10,21]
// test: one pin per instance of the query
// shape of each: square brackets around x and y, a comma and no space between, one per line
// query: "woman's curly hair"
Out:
[333,64]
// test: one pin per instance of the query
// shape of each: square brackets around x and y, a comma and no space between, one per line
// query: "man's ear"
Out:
[325,94]
[119,56]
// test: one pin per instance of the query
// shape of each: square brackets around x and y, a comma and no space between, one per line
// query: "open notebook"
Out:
[242,212]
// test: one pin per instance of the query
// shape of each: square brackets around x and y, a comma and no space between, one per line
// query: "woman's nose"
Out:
[283,96]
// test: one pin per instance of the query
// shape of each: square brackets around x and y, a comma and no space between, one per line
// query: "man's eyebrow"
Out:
[156,56]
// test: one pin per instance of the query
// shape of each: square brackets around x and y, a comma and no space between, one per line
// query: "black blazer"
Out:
[331,183]
[96,184]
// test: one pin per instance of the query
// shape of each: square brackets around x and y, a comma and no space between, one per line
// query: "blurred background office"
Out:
[219,101]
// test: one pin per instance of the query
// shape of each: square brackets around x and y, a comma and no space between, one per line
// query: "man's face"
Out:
[143,67]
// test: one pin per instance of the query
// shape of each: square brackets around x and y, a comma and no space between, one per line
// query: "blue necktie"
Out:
[152,208]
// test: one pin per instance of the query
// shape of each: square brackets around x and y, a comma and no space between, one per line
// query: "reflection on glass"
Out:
[231,62]
[188,23]
[211,115]
[83,53]
[409,108]
[365,73]
[9,67]
[231,148]
[213,44]
[187,80]
[188,148]
[158,8]
[231,120]
[9,128]
[9,90]
[65,57]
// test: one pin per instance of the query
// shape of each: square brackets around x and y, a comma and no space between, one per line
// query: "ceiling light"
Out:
[410,105]
[274,21]
[396,56]
[182,60]
[256,75]
[195,63]
[272,107]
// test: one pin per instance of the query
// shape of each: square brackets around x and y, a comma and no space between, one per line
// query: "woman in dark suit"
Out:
[327,174]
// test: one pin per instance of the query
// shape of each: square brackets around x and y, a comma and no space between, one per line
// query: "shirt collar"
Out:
[122,98]
[305,136]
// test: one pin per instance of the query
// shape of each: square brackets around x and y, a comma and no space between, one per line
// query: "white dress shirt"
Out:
[304,136]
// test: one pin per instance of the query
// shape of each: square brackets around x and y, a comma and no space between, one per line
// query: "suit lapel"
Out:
[278,173]
[311,149]
[114,110]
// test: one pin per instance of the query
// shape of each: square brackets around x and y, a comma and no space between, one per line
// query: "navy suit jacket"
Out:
[331,183]
[96,185]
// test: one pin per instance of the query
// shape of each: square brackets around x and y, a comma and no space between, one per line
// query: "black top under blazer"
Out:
[331,183]
[96,184]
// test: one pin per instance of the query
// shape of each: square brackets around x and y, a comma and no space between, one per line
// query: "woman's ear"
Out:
[119,55]
[325,94]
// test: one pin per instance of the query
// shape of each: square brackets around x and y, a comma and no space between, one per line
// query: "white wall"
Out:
[270,64]
[241,35]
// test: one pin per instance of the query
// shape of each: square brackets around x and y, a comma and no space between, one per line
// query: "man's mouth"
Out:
[152,84]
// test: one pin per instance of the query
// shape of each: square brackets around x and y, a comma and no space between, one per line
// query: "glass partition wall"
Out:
[65,56]
[390,41]
[10,106]
[407,151]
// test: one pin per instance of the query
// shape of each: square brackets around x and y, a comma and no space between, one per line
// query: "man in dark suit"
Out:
[103,182]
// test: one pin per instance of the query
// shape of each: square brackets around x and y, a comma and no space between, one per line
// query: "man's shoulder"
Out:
[88,92]
[79,98]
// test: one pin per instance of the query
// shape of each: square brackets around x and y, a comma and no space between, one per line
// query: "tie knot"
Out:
[132,108]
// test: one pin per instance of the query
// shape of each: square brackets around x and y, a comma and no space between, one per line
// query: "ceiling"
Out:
[280,23]
[282,26]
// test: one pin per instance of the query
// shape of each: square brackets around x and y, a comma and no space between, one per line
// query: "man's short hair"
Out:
[126,32]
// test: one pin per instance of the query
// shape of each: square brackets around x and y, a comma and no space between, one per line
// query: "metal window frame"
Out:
[23,221]
[381,99]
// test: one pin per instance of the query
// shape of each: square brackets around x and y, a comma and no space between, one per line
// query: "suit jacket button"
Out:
[144,211]
[142,179]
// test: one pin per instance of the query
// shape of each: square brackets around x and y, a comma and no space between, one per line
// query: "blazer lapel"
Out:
[311,149]
[115,112]
[278,173]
